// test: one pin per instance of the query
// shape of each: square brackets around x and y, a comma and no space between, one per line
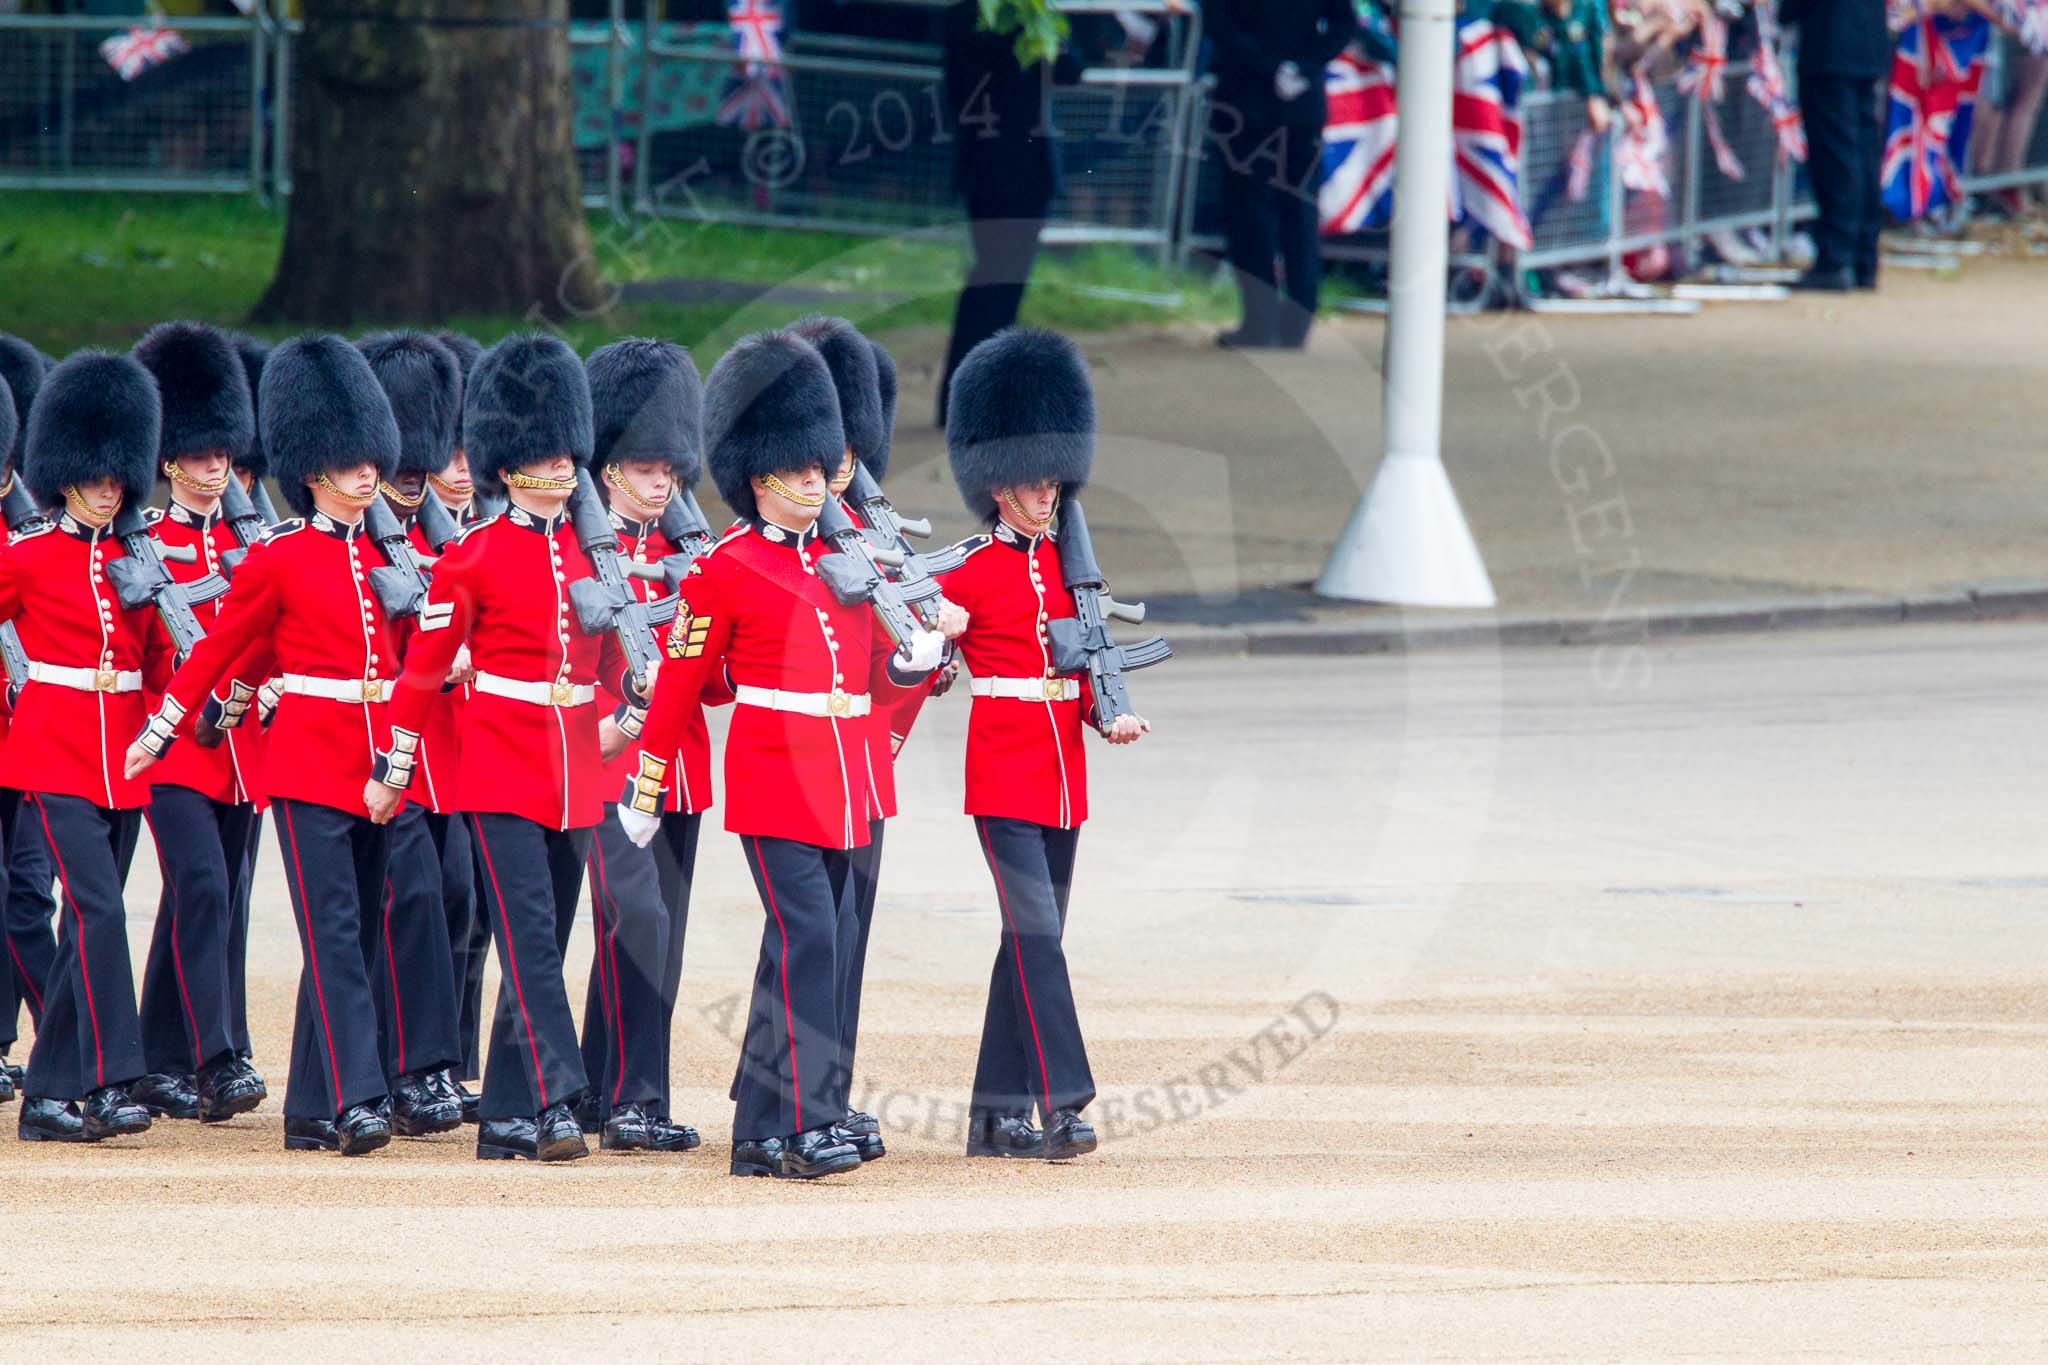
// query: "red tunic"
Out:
[65,741]
[880,759]
[1024,758]
[756,608]
[689,772]
[506,582]
[433,781]
[301,605]
[231,773]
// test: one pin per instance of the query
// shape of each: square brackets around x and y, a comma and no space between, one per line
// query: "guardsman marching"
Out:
[92,442]
[529,777]
[201,801]
[805,670]
[301,608]
[31,947]
[648,407]
[410,965]
[1020,430]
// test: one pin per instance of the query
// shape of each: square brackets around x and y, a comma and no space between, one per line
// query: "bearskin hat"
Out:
[10,424]
[253,353]
[1020,411]
[96,415]
[851,359]
[467,352]
[21,368]
[648,404]
[528,400]
[203,388]
[885,385]
[322,409]
[424,383]
[769,406]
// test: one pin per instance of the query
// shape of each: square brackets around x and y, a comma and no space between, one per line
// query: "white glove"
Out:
[1288,82]
[639,827]
[923,653]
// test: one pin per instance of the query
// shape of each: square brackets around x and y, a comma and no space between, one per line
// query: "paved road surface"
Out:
[1524,1005]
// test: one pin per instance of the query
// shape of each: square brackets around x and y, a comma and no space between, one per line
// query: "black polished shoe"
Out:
[166,1096]
[862,1133]
[362,1128]
[226,1087]
[7,1090]
[18,1075]
[110,1112]
[803,1157]
[50,1121]
[1068,1135]
[253,1077]
[627,1130]
[664,1135]
[1004,1135]
[504,1140]
[1834,279]
[557,1136]
[311,1135]
[418,1108]
[462,1095]
[589,1114]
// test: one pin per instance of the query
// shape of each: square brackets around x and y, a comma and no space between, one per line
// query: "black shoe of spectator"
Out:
[1832,279]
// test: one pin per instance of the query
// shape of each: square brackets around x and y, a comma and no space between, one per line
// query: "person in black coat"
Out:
[1844,48]
[1267,123]
[1006,160]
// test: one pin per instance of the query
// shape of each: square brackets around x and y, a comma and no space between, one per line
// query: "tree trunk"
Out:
[433,171]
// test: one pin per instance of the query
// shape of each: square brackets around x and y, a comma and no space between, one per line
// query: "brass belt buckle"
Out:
[561,693]
[1055,689]
[838,703]
[105,680]
[373,689]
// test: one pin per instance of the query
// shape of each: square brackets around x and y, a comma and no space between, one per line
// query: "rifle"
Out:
[606,601]
[22,516]
[890,531]
[141,580]
[243,518]
[682,521]
[259,493]
[853,576]
[488,503]
[1083,641]
[436,522]
[399,582]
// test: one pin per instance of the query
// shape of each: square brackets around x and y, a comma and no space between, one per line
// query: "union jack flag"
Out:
[756,95]
[1358,145]
[1486,132]
[1644,148]
[139,49]
[1767,86]
[1936,73]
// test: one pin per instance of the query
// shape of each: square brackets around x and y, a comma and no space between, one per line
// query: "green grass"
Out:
[98,269]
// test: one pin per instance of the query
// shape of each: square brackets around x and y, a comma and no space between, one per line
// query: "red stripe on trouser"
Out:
[1017,954]
[788,1014]
[291,834]
[177,958]
[607,948]
[391,967]
[22,968]
[540,1084]
[92,1010]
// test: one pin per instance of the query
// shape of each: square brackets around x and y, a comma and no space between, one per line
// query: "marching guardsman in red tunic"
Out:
[410,965]
[528,773]
[1020,430]
[202,801]
[92,442]
[649,410]
[806,671]
[301,609]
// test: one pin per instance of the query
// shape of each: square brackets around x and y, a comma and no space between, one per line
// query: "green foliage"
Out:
[1041,30]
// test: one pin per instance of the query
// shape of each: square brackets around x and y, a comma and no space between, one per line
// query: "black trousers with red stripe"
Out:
[188,1016]
[89,1035]
[406,945]
[856,919]
[623,1020]
[334,869]
[29,913]
[456,853]
[675,860]
[531,879]
[238,937]
[476,952]
[788,1080]
[1031,1048]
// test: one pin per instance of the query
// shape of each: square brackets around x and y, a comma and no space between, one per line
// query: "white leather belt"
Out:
[535,693]
[1027,689]
[803,703]
[336,689]
[87,679]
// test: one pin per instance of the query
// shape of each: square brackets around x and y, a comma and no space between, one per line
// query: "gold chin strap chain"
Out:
[844,477]
[449,492]
[408,503]
[7,484]
[352,499]
[616,477]
[781,489]
[519,478]
[214,489]
[83,510]
[1038,522]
